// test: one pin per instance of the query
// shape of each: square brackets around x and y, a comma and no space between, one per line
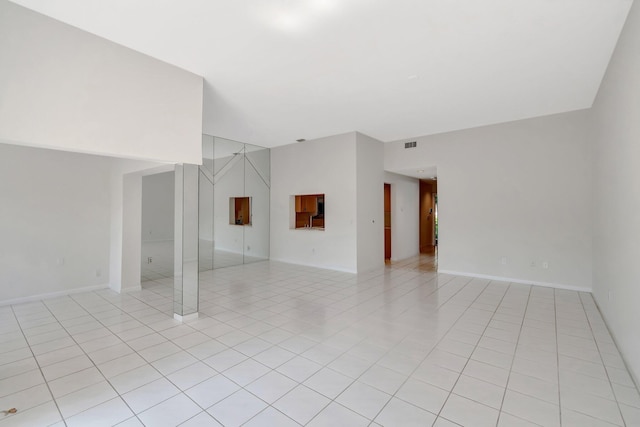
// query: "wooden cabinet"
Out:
[307,203]
[309,211]
[311,204]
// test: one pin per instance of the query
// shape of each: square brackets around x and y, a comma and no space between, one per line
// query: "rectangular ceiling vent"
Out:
[411,144]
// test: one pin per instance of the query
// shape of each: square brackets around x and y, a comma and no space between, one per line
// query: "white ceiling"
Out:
[281,70]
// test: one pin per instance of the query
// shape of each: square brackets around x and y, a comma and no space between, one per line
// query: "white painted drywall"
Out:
[63,88]
[322,166]
[54,222]
[616,195]
[158,207]
[370,202]
[125,187]
[519,190]
[282,69]
[405,216]
[131,231]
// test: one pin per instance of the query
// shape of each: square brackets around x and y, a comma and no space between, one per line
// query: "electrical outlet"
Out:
[149,260]
[533,264]
[503,260]
[545,264]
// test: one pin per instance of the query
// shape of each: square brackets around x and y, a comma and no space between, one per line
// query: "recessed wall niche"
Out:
[240,210]
[308,211]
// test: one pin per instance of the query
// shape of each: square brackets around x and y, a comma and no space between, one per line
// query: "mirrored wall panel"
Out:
[186,230]
[157,226]
[234,203]
[205,205]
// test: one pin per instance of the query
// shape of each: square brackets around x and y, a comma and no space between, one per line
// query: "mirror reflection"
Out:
[234,203]
[157,226]
[233,190]
[240,210]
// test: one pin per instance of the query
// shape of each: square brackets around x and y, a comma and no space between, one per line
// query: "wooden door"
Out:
[428,191]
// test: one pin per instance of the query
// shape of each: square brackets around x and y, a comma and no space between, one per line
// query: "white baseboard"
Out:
[48,295]
[186,317]
[514,280]
[635,378]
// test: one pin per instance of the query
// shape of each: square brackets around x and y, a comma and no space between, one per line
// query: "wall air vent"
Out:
[411,144]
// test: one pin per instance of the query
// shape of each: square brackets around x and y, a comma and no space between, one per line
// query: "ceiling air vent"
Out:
[411,144]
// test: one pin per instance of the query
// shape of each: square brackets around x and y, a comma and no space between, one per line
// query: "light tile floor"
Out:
[284,345]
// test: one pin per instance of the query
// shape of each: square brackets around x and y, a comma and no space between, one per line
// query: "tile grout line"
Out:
[149,364]
[401,311]
[604,365]
[88,357]
[39,368]
[470,279]
[332,400]
[475,347]
[219,373]
[432,349]
[450,392]
[555,316]
[515,352]
[94,365]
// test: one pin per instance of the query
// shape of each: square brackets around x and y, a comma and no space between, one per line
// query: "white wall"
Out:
[158,206]
[54,222]
[61,87]
[370,202]
[325,165]
[125,188]
[518,190]
[405,216]
[616,195]
[131,248]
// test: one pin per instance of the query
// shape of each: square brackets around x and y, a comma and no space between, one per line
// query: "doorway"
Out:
[428,216]
[387,222]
